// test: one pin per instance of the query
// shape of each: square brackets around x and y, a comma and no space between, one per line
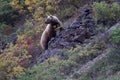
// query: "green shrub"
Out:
[101,11]
[115,37]
[115,11]
[106,13]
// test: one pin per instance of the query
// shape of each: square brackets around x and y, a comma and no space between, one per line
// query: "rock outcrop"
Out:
[82,28]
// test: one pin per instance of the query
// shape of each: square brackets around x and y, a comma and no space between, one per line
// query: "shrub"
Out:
[106,13]
[115,37]
[115,10]
[101,11]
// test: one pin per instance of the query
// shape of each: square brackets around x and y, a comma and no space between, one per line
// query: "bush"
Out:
[115,37]
[106,13]
[101,11]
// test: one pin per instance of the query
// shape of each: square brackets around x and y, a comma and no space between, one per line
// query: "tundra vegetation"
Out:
[25,18]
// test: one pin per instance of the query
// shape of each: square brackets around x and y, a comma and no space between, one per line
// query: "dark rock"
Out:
[47,54]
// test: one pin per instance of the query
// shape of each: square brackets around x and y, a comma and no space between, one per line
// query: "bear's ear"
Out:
[51,16]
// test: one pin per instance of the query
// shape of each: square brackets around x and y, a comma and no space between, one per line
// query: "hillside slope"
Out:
[88,48]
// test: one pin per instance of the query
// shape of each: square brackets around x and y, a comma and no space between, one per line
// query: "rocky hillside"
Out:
[76,33]
[88,48]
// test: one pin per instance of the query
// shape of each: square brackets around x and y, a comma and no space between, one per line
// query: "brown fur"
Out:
[50,31]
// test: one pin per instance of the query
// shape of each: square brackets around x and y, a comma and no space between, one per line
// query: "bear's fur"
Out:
[50,31]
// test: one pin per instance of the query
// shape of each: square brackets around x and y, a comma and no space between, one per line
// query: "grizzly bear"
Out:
[50,31]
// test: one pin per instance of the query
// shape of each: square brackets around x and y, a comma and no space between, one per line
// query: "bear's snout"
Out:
[46,22]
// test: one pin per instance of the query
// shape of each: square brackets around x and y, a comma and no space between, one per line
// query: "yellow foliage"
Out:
[11,62]
[37,29]
[34,1]
[18,70]
[30,8]
[39,13]
[28,2]
[49,7]
[53,59]
[40,19]
[15,4]
[18,7]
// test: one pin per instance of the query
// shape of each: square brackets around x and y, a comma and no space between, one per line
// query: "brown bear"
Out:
[50,31]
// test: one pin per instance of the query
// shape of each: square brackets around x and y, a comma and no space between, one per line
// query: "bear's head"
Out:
[52,20]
